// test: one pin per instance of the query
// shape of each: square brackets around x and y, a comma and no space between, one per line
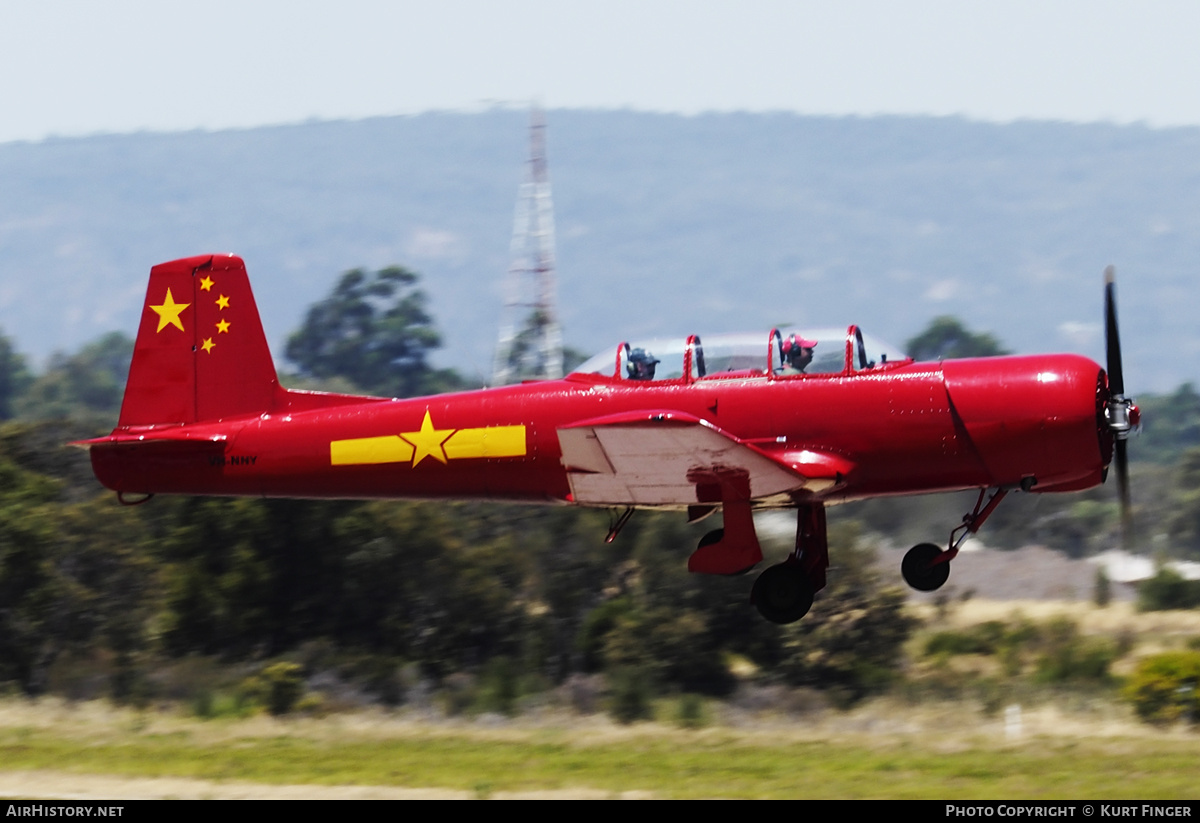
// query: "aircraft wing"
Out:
[659,458]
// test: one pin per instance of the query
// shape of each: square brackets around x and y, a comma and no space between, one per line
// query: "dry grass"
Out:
[883,748]
[1069,745]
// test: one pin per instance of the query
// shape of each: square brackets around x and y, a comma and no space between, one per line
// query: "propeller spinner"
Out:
[1120,413]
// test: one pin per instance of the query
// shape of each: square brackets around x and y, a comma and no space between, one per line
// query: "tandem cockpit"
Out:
[781,354]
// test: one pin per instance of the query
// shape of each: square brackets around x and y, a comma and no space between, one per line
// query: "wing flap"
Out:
[657,458]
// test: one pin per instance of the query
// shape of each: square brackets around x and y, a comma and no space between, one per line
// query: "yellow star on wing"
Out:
[168,313]
[222,326]
[222,302]
[206,283]
[428,441]
[208,344]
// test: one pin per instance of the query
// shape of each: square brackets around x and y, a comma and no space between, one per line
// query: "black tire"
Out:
[782,593]
[919,570]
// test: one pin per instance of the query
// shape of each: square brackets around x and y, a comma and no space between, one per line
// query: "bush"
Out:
[1070,658]
[852,642]
[1168,589]
[278,687]
[986,638]
[690,712]
[1165,688]
[631,692]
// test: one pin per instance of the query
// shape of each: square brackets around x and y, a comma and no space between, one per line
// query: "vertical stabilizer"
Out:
[201,353]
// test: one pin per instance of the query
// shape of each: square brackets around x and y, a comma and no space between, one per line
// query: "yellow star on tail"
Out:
[208,344]
[206,283]
[428,441]
[222,302]
[168,313]
[222,326]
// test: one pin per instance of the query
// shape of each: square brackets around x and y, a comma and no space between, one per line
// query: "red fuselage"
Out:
[908,428]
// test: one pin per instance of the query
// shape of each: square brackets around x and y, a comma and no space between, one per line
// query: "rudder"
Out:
[200,353]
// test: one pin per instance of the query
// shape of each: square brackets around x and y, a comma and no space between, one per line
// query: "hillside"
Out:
[666,224]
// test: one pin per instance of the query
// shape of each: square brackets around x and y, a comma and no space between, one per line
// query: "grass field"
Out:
[1070,746]
[881,750]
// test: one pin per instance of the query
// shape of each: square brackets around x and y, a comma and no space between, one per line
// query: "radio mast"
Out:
[530,344]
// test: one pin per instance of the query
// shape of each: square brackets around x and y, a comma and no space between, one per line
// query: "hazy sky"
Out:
[72,68]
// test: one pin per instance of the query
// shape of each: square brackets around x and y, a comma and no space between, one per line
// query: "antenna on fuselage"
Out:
[530,345]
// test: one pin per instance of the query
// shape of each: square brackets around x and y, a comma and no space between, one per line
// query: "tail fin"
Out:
[201,353]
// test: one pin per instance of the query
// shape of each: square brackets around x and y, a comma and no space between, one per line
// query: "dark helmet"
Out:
[641,364]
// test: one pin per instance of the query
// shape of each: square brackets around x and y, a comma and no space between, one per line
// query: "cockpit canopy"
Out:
[782,353]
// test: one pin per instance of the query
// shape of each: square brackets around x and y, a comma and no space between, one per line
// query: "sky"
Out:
[78,68]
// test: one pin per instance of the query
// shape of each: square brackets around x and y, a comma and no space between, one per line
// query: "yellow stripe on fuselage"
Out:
[489,441]
[494,441]
[366,450]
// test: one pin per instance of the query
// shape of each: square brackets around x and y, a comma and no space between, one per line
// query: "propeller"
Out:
[1119,412]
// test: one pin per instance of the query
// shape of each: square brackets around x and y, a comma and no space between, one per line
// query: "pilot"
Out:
[797,354]
[641,365]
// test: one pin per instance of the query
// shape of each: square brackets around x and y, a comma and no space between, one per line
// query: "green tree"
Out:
[1170,425]
[1184,519]
[14,377]
[947,338]
[87,384]
[1168,589]
[74,576]
[373,330]
[851,643]
[1165,688]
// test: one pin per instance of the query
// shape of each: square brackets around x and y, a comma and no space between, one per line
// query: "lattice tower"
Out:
[530,344]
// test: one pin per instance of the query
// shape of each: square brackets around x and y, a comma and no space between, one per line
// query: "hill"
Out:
[666,224]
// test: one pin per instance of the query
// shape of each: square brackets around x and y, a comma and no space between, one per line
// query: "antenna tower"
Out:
[530,344]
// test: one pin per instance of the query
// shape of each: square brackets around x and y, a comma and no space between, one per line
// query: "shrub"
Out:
[1069,657]
[1168,589]
[278,686]
[1165,688]
[631,693]
[986,638]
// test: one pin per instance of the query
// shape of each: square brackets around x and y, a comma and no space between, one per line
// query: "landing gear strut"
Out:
[784,593]
[926,567]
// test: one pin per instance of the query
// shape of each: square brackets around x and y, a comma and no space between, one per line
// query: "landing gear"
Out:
[732,549]
[926,567]
[782,593]
[921,568]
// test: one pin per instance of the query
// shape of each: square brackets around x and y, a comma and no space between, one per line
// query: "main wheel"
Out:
[919,570]
[782,593]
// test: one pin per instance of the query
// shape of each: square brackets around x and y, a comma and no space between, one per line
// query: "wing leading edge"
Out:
[666,458]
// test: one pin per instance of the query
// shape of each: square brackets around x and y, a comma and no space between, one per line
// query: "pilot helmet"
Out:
[641,364]
[797,351]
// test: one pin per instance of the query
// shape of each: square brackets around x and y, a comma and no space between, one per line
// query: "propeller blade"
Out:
[1123,491]
[1116,391]
[1112,339]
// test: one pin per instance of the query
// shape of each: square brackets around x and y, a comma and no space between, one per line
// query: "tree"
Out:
[851,644]
[946,338]
[373,330]
[86,384]
[14,377]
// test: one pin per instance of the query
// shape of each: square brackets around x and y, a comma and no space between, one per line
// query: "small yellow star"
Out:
[208,344]
[222,302]
[428,441]
[168,313]
[222,326]
[206,283]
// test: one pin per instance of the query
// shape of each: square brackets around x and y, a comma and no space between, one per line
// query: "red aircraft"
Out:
[738,423]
